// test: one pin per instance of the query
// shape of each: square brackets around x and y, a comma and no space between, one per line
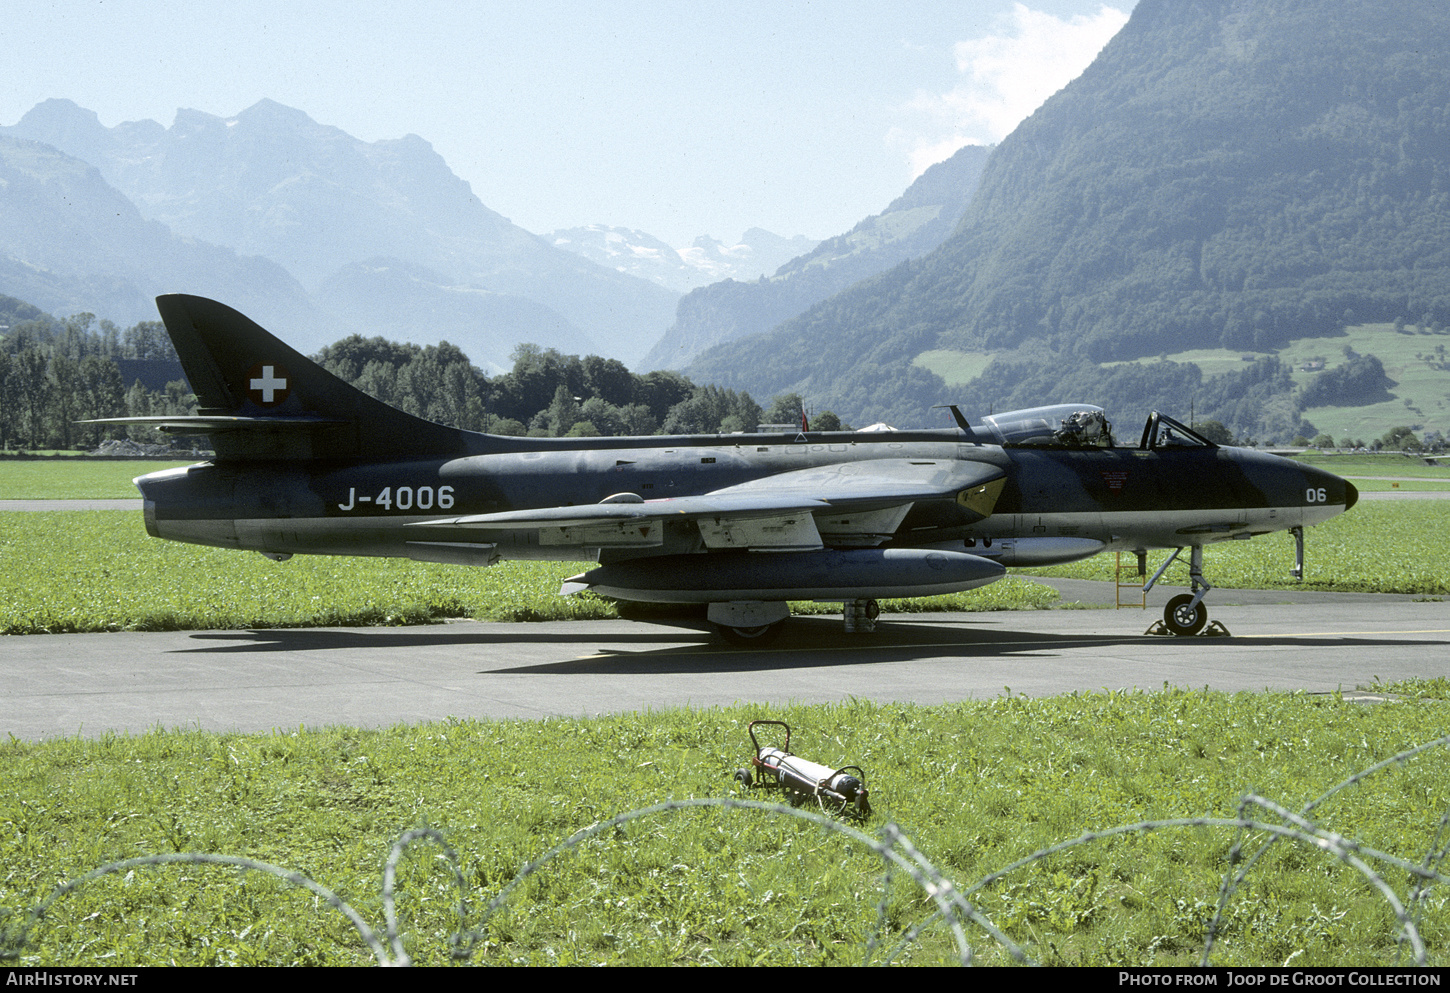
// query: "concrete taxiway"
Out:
[64,685]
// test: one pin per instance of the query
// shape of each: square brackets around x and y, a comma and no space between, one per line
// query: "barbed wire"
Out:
[899,855]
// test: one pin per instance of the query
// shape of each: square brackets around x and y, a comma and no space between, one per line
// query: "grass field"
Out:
[1406,485]
[975,786]
[75,479]
[1379,547]
[1357,465]
[67,571]
[954,367]
[98,570]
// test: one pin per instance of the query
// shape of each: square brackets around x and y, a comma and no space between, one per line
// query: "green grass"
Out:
[976,786]
[954,367]
[1421,394]
[1406,485]
[1357,465]
[75,479]
[1378,547]
[1434,688]
[69,571]
[1212,361]
[99,571]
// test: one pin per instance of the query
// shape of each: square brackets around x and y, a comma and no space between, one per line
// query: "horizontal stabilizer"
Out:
[199,424]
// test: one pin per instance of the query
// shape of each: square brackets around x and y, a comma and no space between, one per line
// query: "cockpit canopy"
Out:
[1063,425]
[1162,431]
[1078,425]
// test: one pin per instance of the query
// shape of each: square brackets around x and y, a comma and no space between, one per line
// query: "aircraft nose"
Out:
[1351,495]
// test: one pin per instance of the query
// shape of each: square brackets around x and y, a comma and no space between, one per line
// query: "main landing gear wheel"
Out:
[754,637]
[1183,617]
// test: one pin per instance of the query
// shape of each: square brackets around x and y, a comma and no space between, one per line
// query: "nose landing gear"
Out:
[1186,614]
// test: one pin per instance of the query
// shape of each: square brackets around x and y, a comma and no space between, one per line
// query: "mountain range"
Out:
[707,260]
[337,222]
[321,235]
[70,242]
[1227,174]
[911,225]
[1230,181]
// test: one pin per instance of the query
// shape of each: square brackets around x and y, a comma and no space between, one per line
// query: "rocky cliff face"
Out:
[70,242]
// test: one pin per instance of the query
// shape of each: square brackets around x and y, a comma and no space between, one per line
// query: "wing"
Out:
[848,504]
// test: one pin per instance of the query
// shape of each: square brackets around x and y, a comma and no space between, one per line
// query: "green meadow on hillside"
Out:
[1415,360]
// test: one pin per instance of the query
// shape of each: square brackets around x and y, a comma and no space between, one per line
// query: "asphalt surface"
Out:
[88,685]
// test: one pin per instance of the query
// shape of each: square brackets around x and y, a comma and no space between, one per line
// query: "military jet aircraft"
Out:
[306,464]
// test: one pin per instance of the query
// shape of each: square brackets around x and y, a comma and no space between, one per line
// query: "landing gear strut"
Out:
[860,615]
[1186,613]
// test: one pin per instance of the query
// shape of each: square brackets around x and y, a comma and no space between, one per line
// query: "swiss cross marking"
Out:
[267,384]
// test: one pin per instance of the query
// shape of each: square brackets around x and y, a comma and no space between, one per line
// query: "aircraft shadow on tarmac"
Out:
[806,642]
[422,636]
[1027,646]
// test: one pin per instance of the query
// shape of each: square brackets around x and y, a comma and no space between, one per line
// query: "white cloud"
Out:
[1006,76]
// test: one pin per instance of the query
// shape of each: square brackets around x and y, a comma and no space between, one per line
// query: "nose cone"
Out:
[1326,495]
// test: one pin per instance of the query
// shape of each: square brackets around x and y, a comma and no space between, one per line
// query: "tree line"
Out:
[54,373]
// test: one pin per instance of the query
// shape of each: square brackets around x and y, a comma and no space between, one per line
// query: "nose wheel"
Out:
[1186,614]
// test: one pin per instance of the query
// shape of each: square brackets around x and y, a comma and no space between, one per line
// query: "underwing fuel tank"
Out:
[819,575]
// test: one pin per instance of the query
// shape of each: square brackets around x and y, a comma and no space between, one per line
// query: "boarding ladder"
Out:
[1140,580]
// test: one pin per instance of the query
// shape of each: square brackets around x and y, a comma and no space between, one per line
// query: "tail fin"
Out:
[260,398]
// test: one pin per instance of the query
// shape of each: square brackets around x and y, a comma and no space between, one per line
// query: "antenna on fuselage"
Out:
[957,415]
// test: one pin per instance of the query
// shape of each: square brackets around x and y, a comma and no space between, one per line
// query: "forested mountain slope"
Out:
[1229,174]
[912,225]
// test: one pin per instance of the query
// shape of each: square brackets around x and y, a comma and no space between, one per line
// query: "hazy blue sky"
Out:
[674,118]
